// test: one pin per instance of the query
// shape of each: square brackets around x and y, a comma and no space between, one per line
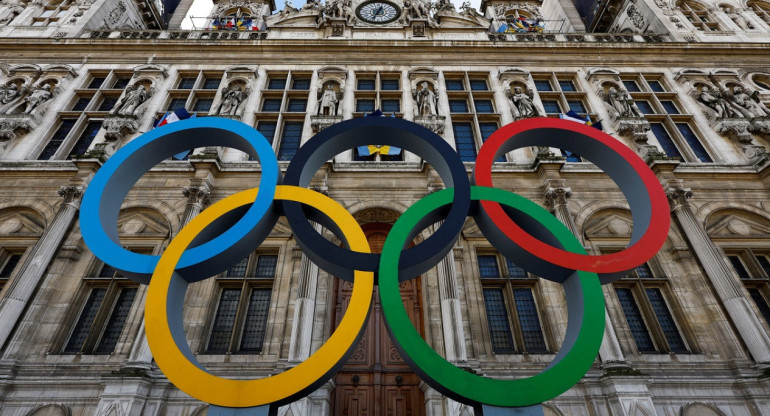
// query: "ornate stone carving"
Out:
[11,126]
[426,100]
[329,99]
[636,127]
[522,105]
[636,17]
[678,195]
[131,102]
[117,12]
[36,100]
[432,123]
[557,196]
[320,122]
[197,195]
[116,127]
[71,193]
[338,28]
[232,96]
[620,103]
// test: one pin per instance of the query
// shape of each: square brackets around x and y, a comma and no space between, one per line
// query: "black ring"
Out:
[381,131]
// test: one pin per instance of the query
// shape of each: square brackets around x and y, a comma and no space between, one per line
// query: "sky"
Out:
[201,8]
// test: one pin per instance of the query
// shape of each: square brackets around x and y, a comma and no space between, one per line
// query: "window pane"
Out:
[479,85]
[631,86]
[529,321]
[761,302]
[488,267]
[107,271]
[107,104]
[256,321]
[300,84]
[645,107]
[297,105]
[116,322]
[391,106]
[203,104]
[267,128]
[47,13]
[665,140]
[543,85]
[83,325]
[670,107]
[656,86]
[292,133]
[10,265]
[224,321]
[176,103]
[551,106]
[764,262]
[458,106]
[635,322]
[238,269]
[266,265]
[739,267]
[454,85]
[666,321]
[271,104]
[644,272]
[276,84]
[211,83]
[81,146]
[186,83]
[514,271]
[57,139]
[576,106]
[497,318]
[567,86]
[695,144]
[464,140]
[484,106]
[366,84]
[389,84]
[81,104]
[120,83]
[364,106]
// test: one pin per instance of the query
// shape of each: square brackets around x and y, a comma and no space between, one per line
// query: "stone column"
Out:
[720,274]
[556,195]
[451,315]
[197,198]
[304,310]
[31,271]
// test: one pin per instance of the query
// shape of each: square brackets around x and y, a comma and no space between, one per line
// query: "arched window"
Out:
[761,9]
[698,15]
[236,18]
[51,14]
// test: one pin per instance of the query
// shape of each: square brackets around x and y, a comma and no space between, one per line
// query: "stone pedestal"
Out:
[321,122]
[14,125]
[432,123]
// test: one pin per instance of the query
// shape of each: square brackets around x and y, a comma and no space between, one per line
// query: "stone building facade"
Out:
[685,83]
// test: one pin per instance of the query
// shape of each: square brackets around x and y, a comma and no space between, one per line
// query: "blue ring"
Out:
[109,187]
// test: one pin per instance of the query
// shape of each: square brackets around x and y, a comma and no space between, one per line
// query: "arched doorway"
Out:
[376,381]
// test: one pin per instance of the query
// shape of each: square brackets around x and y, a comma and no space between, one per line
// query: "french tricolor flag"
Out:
[172,116]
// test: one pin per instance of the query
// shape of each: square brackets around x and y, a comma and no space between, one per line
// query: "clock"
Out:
[378,11]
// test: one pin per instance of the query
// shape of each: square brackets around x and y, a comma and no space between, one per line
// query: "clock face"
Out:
[378,12]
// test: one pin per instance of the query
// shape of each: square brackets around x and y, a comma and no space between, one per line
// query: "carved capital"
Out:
[197,195]
[678,195]
[71,193]
[637,127]
[118,126]
[557,196]
[432,123]
[736,128]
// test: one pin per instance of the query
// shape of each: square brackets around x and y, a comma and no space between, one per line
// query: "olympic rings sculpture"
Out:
[230,229]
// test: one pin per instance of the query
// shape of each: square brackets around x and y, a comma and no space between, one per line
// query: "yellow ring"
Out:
[192,379]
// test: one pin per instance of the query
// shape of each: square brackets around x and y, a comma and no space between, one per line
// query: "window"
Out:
[753,268]
[511,307]
[81,145]
[8,265]
[297,105]
[271,105]
[81,104]
[292,133]
[479,85]
[551,107]
[458,106]
[378,91]
[484,106]
[364,106]
[96,82]
[454,85]
[761,9]
[698,15]
[674,131]
[210,83]
[194,89]
[203,104]
[389,85]
[240,320]
[543,85]
[267,128]
[276,83]
[57,139]
[472,112]
[366,84]
[631,86]
[176,103]
[567,85]
[300,84]
[85,139]
[51,14]
[186,83]
[102,318]
[107,104]
[121,82]
[642,298]
[466,146]
[391,106]
[568,97]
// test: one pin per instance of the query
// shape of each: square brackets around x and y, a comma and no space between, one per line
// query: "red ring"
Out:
[608,265]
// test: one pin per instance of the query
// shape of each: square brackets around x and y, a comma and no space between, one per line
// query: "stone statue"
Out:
[622,103]
[522,104]
[417,9]
[288,8]
[11,91]
[715,101]
[231,100]
[740,20]
[312,5]
[14,13]
[467,10]
[426,101]
[134,97]
[748,104]
[38,96]
[445,5]
[327,104]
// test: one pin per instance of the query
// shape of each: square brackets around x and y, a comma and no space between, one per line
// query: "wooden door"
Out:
[376,381]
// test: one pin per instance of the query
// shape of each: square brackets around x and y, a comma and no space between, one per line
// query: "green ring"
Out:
[585,327]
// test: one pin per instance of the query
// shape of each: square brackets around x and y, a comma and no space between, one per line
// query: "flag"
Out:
[173,116]
[249,24]
[383,150]
[229,24]
[216,25]
[571,115]
[503,28]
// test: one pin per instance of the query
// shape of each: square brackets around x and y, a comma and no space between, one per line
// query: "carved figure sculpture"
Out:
[445,5]
[740,20]
[135,96]
[522,104]
[38,96]
[426,101]
[622,103]
[288,9]
[715,101]
[231,100]
[327,104]
[417,9]
[312,5]
[10,93]
[748,104]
